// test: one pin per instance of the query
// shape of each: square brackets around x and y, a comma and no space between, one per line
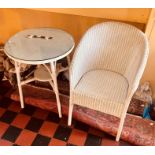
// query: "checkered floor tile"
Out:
[37,127]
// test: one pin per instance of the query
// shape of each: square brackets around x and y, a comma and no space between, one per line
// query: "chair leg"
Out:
[120,127]
[70,114]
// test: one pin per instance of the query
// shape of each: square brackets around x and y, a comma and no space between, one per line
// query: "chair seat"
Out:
[101,90]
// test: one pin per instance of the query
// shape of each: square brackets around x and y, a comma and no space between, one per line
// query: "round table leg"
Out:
[55,84]
[17,67]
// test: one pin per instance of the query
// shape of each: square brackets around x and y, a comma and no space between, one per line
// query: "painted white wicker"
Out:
[106,69]
[40,46]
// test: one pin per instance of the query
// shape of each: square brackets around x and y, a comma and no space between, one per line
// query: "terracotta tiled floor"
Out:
[34,126]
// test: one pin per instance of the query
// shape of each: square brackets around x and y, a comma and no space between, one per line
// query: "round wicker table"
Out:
[42,47]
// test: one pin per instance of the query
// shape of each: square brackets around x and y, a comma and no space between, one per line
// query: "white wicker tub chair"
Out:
[106,69]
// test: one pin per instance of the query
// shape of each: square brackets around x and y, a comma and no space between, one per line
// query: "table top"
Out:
[35,46]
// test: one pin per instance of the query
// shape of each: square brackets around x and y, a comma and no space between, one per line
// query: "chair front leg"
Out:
[122,119]
[120,128]
[70,113]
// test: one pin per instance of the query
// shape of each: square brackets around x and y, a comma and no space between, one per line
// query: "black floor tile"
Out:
[11,133]
[109,136]
[28,110]
[62,133]
[53,117]
[5,102]
[68,144]
[34,124]
[8,116]
[15,145]
[81,126]
[93,140]
[41,140]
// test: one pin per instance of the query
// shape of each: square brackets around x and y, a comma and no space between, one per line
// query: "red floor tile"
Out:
[21,120]
[3,128]
[26,138]
[1,111]
[77,137]
[15,106]
[48,128]
[41,114]
[4,142]
[57,142]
